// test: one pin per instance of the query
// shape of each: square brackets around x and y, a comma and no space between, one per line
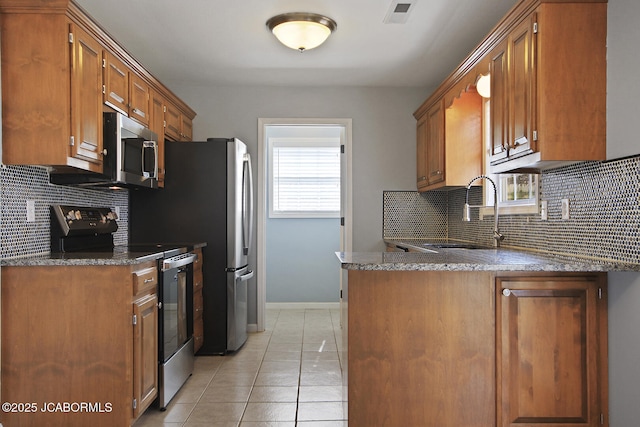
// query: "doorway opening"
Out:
[293,241]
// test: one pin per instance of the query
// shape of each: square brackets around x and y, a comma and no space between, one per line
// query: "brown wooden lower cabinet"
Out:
[448,349]
[198,303]
[71,348]
[552,350]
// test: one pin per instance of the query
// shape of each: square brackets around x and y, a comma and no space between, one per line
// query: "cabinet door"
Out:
[86,97]
[173,122]
[187,128]
[139,108]
[421,152]
[522,94]
[116,83]
[551,343]
[145,353]
[156,124]
[499,102]
[435,144]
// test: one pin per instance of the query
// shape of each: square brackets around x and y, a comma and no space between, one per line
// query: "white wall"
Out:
[383,134]
[623,92]
[623,86]
[383,143]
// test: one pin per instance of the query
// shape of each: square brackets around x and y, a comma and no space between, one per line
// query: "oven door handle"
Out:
[178,261]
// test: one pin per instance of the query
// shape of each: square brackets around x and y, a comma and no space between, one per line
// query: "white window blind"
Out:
[304,179]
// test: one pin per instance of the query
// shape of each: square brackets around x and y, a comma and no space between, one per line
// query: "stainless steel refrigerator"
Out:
[207,197]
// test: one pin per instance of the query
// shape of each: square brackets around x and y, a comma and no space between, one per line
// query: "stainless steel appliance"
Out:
[130,157]
[175,337]
[75,229]
[207,197]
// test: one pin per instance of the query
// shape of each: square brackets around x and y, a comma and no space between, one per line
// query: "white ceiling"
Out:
[226,42]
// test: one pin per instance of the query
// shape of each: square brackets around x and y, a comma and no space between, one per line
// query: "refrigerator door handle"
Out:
[247,204]
[248,275]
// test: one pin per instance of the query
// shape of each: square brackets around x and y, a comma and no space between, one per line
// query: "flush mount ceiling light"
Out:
[301,31]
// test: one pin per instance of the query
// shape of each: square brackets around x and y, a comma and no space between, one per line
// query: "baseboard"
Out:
[251,327]
[303,306]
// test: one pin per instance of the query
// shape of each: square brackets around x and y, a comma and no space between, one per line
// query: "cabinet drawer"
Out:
[144,280]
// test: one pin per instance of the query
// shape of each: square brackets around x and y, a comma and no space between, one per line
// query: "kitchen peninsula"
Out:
[475,337]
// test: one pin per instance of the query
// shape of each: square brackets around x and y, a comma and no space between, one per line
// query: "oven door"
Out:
[174,299]
[174,311]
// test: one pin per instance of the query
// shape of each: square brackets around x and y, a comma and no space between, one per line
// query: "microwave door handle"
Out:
[155,163]
[144,172]
[154,173]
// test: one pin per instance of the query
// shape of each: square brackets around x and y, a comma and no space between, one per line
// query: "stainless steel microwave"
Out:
[130,157]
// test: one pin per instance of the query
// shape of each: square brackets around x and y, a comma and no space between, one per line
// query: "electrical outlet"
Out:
[565,208]
[543,211]
[31,210]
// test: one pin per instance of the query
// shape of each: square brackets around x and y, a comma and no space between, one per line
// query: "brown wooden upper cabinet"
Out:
[548,88]
[57,78]
[51,92]
[435,140]
[156,124]
[85,140]
[512,100]
[449,141]
[178,126]
[430,147]
[547,64]
[125,91]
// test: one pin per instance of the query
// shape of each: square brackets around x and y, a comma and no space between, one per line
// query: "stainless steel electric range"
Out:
[89,229]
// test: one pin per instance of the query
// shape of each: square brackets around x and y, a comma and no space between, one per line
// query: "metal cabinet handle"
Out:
[148,280]
[506,292]
[520,141]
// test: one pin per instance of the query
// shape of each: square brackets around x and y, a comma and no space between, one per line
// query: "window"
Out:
[518,192]
[304,177]
[517,189]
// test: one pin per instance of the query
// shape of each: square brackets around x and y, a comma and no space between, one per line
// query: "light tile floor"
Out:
[289,375]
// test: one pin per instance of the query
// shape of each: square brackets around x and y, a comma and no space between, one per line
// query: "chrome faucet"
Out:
[466,215]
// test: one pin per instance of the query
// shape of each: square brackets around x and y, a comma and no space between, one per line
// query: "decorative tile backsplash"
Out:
[408,214]
[604,223]
[21,183]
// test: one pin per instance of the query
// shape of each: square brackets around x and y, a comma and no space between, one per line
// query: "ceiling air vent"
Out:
[399,11]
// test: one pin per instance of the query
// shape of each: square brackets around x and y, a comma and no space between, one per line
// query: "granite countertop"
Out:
[489,259]
[119,256]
